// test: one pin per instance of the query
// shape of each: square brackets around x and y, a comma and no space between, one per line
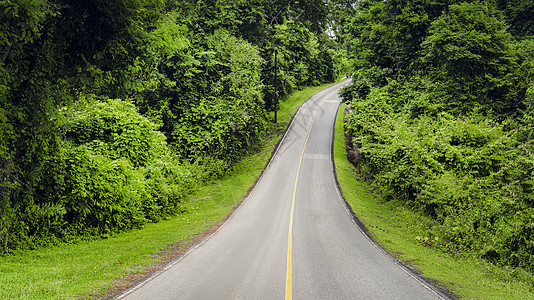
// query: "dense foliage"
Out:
[442,101]
[111,112]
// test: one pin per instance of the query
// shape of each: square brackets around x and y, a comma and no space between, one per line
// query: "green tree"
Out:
[519,15]
[469,51]
[388,34]
[51,52]
[199,73]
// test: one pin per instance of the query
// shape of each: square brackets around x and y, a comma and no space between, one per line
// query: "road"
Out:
[292,237]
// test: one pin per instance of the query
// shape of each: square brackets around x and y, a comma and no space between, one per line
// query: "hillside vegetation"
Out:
[442,119]
[112,112]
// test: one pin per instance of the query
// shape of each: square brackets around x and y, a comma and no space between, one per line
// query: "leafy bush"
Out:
[114,171]
[168,182]
[446,127]
[224,129]
[101,193]
[115,129]
[469,55]
[363,80]
[473,178]
[228,118]
[132,174]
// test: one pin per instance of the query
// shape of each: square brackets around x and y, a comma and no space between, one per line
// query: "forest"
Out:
[442,119]
[112,112]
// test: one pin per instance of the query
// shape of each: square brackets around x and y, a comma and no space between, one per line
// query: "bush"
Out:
[473,178]
[101,194]
[469,55]
[168,181]
[113,171]
[114,128]
[119,167]
[220,128]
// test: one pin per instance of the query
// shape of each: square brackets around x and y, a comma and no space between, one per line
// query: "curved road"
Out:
[293,236]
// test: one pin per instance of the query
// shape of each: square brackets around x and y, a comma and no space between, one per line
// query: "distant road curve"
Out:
[293,236]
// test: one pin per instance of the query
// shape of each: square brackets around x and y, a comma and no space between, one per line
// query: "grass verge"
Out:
[97,268]
[397,229]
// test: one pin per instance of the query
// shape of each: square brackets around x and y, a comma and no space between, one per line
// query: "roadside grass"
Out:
[98,268]
[396,228]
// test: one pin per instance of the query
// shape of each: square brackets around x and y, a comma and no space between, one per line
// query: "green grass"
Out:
[96,268]
[397,229]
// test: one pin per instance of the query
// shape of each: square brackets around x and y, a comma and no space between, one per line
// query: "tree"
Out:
[469,50]
[519,15]
[388,34]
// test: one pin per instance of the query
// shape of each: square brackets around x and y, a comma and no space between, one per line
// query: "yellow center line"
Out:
[289,272]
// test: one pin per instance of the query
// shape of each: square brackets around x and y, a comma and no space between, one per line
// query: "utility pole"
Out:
[275,85]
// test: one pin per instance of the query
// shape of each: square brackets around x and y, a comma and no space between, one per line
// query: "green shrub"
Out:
[473,178]
[101,193]
[470,57]
[115,129]
[121,166]
[168,181]
[113,171]
[224,129]
[364,80]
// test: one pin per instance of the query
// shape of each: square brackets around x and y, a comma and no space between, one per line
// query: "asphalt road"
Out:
[293,236]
